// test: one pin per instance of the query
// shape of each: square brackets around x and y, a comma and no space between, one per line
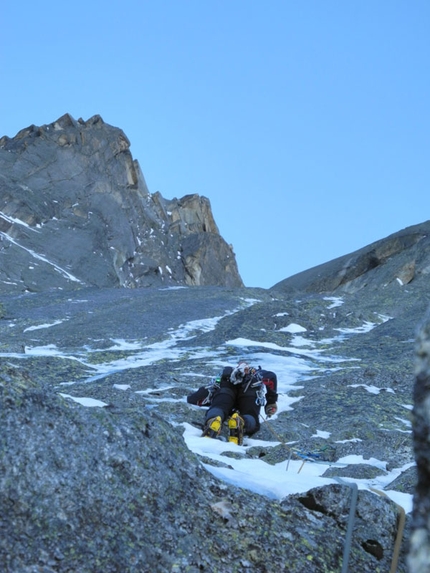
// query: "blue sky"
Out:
[306,123]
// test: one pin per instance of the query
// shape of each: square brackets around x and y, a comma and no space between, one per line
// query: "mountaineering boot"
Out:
[212,427]
[236,426]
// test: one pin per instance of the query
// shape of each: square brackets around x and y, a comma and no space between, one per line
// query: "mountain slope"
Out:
[402,257]
[134,355]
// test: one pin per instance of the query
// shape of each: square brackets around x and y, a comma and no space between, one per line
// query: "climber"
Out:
[242,391]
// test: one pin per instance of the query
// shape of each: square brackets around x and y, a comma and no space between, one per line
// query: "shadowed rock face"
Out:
[419,557]
[76,211]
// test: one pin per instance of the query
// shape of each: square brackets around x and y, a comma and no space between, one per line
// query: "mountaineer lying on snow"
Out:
[238,394]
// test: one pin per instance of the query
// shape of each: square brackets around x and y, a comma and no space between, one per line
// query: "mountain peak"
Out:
[75,211]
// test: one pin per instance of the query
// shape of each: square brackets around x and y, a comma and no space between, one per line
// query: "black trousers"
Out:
[232,398]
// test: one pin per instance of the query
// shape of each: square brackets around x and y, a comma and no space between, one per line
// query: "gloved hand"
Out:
[270,409]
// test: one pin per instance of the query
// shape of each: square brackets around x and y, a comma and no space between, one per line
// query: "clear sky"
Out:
[306,123]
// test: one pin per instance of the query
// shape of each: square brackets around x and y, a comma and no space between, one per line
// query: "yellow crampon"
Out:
[236,426]
[212,427]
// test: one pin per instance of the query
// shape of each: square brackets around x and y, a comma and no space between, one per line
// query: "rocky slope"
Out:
[83,488]
[116,490]
[75,211]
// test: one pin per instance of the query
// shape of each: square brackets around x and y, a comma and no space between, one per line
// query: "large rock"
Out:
[75,211]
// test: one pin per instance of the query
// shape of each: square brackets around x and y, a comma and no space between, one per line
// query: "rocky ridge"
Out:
[401,258]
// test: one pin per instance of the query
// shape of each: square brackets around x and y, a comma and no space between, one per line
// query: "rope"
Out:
[400,528]
[300,456]
[279,439]
[351,518]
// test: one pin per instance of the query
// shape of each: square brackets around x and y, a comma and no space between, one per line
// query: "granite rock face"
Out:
[75,211]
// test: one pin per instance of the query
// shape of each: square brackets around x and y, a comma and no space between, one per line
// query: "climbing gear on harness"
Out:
[212,427]
[254,379]
[236,426]
[212,388]
[261,396]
